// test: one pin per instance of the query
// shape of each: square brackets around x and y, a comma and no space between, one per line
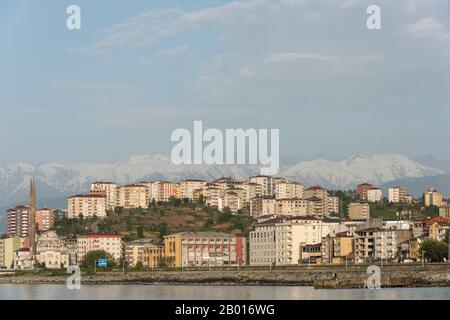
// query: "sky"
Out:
[138,70]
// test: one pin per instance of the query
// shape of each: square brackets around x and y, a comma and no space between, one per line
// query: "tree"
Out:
[92,257]
[140,232]
[435,251]
[162,228]
[139,266]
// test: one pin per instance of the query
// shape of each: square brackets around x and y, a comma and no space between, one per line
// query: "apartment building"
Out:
[132,196]
[106,189]
[252,190]
[7,248]
[59,214]
[288,190]
[87,206]
[162,191]
[189,186]
[44,219]
[293,207]
[205,249]
[148,251]
[319,196]
[337,248]
[433,197]
[333,204]
[17,221]
[262,206]
[374,195]
[358,211]
[233,199]
[111,243]
[397,195]
[267,184]
[278,241]
[387,243]
[212,193]
[361,190]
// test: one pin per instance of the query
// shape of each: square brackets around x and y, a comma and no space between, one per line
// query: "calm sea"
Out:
[174,292]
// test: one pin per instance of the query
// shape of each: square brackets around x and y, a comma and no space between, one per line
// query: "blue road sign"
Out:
[102,263]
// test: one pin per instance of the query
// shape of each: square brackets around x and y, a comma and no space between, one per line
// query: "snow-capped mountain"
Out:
[346,173]
[58,180]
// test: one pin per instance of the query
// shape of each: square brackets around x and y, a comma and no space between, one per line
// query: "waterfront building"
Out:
[111,243]
[148,251]
[205,249]
[7,248]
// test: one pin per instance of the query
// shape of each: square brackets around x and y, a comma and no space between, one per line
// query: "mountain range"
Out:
[56,180]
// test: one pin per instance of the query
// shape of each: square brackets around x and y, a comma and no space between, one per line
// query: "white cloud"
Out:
[428,28]
[299,56]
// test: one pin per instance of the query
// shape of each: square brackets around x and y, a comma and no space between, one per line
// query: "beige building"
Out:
[205,249]
[319,196]
[148,251]
[358,211]
[87,206]
[162,191]
[293,207]
[252,190]
[267,184]
[262,206]
[52,251]
[433,197]
[189,186]
[132,196]
[397,195]
[233,199]
[333,204]
[106,189]
[111,243]
[7,248]
[288,190]
[374,195]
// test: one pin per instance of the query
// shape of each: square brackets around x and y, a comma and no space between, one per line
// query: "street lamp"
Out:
[423,260]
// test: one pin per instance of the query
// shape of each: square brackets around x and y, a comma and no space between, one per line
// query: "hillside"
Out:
[159,220]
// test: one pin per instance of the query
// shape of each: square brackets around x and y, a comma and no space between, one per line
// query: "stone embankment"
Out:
[338,277]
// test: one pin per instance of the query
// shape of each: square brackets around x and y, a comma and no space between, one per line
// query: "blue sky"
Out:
[137,71]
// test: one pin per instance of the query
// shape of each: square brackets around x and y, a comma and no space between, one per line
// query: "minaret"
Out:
[32,222]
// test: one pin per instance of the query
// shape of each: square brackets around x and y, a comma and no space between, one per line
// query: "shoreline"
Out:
[331,278]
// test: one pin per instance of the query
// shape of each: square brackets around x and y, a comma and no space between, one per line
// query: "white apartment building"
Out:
[111,243]
[231,200]
[132,196]
[106,189]
[86,205]
[374,195]
[279,240]
[189,186]
[267,184]
[252,190]
[397,194]
[333,204]
[288,190]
